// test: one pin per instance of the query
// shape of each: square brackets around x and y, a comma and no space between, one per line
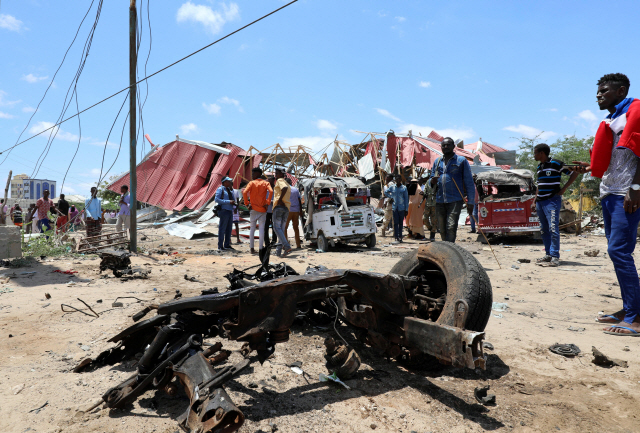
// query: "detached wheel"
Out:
[323,244]
[453,273]
[371,240]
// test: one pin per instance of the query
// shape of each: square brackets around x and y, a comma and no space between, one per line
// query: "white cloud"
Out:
[6,115]
[313,142]
[5,103]
[243,47]
[588,115]
[212,20]
[189,127]
[400,19]
[211,108]
[530,131]
[61,135]
[425,84]
[325,125]
[386,113]
[98,143]
[227,100]
[10,23]
[28,109]
[455,133]
[553,109]
[30,78]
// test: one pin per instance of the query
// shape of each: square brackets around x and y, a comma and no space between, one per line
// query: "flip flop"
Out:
[608,316]
[634,333]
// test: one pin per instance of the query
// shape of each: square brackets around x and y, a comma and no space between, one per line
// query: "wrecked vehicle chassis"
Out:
[415,317]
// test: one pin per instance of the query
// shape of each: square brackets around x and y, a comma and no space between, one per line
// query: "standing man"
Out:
[281,206]
[63,214]
[256,197]
[615,157]
[16,215]
[44,204]
[124,214]
[269,221]
[224,197]
[387,204]
[451,174]
[548,201]
[429,218]
[294,213]
[400,196]
[28,221]
[93,214]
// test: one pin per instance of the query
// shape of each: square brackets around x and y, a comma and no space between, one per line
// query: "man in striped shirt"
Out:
[548,201]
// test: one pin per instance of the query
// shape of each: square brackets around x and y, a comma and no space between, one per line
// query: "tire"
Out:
[371,240]
[323,244]
[465,279]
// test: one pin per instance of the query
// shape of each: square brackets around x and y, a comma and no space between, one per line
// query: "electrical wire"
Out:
[74,84]
[149,76]
[52,80]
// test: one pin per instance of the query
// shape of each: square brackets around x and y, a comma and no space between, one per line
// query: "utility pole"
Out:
[133,60]
[3,216]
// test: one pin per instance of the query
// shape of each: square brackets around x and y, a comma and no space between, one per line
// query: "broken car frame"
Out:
[421,315]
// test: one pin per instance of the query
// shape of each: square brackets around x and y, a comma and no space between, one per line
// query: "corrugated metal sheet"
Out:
[173,177]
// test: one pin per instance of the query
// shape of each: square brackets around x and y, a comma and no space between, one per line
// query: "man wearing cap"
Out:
[257,195]
[224,197]
[387,205]
[281,206]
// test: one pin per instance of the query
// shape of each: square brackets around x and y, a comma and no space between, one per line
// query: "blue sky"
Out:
[317,69]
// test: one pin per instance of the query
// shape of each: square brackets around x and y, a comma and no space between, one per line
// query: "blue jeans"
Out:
[448,215]
[280,216]
[224,228]
[621,229]
[44,222]
[549,214]
[474,217]
[398,221]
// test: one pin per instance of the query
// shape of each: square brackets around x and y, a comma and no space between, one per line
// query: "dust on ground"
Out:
[536,390]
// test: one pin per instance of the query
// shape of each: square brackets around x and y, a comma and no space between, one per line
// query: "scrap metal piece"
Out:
[341,360]
[483,397]
[449,344]
[568,350]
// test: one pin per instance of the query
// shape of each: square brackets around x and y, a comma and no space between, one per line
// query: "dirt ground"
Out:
[536,390]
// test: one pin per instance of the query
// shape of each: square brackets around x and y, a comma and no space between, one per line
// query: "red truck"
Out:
[504,202]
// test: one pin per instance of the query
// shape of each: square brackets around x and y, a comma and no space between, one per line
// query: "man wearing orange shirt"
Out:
[257,196]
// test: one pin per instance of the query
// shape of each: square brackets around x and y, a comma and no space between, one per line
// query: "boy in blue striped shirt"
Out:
[548,201]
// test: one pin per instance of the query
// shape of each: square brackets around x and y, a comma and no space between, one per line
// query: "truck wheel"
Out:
[371,240]
[323,244]
[462,278]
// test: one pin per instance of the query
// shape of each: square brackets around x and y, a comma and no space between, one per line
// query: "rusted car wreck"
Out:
[431,309]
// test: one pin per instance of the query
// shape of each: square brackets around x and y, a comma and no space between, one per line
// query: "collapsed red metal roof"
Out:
[184,175]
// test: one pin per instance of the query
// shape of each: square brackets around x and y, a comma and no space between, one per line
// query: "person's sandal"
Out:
[546,258]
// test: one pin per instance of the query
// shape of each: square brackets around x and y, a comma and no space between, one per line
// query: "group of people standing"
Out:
[272,202]
[435,200]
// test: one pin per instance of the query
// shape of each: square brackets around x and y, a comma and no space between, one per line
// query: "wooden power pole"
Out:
[3,216]
[133,60]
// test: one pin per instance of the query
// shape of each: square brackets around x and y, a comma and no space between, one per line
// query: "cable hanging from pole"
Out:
[149,76]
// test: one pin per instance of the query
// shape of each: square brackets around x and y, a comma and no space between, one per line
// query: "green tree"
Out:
[566,149]
[106,195]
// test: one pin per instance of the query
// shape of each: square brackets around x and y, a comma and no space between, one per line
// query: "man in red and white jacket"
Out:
[615,157]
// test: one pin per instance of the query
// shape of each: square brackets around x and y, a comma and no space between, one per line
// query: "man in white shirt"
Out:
[124,217]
